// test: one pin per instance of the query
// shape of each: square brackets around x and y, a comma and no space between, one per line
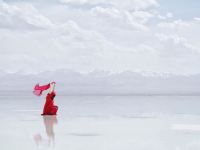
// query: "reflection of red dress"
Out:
[49,107]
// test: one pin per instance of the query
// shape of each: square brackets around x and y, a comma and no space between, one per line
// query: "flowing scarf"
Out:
[39,89]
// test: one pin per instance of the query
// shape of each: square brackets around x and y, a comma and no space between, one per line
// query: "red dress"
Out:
[49,107]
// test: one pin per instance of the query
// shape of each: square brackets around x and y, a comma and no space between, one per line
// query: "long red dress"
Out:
[49,107]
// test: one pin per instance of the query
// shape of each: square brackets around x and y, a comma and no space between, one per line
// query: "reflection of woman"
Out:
[49,122]
[49,107]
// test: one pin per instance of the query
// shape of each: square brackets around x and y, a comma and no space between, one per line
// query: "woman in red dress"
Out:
[50,108]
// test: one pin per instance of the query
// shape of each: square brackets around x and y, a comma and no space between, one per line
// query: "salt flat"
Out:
[101,123]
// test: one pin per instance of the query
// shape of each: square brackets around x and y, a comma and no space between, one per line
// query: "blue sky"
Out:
[112,35]
[185,9]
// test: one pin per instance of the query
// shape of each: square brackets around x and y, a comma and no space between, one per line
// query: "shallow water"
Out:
[101,123]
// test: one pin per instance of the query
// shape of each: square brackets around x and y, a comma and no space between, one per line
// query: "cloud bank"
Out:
[84,35]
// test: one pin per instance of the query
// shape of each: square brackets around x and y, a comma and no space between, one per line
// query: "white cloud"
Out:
[126,4]
[187,29]
[105,36]
[142,16]
[107,12]
[173,25]
[197,19]
[177,46]
[168,15]
[22,16]
[131,20]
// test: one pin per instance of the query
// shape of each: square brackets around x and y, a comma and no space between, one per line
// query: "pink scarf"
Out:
[39,89]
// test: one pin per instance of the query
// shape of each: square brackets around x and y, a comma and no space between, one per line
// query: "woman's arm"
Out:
[52,87]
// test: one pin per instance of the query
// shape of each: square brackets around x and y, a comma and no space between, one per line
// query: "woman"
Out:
[49,107]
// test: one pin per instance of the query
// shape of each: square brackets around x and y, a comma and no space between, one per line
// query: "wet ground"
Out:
[101,123]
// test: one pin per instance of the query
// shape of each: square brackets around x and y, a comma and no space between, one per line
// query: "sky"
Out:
[105,35]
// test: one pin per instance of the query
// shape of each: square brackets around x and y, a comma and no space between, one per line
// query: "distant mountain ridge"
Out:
[103,82]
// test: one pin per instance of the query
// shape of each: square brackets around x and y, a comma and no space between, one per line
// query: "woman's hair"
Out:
[53,96]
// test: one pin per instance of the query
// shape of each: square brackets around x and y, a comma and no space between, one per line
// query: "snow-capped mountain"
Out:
[102,82]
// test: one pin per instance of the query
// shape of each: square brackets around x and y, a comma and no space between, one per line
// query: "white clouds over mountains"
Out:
[86,35]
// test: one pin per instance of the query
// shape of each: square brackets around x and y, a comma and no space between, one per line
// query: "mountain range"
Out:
[104,83]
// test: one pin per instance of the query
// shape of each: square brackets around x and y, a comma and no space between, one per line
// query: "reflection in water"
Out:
[49,122]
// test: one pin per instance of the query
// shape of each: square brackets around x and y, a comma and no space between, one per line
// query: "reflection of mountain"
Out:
[70,82]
